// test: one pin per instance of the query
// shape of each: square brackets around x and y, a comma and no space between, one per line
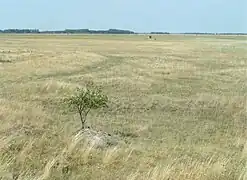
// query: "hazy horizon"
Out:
[139,16]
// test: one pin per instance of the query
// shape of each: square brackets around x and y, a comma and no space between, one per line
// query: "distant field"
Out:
[180,103]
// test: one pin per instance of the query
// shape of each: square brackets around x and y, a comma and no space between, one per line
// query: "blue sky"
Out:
[137,15]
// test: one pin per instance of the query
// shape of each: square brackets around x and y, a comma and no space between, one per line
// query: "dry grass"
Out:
[179,103]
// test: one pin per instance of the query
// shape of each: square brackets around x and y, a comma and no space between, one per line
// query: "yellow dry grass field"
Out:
[178,102]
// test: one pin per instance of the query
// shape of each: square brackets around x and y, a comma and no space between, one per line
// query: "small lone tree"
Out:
[86,99]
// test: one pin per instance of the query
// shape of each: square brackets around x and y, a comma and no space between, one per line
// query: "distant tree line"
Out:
[20,31]
[68,31]
[110,31]
[159,33]
[206,33]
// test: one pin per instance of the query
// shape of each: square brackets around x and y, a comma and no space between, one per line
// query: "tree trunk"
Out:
[83,119]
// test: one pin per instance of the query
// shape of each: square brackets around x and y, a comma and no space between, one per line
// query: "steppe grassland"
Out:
[179,102]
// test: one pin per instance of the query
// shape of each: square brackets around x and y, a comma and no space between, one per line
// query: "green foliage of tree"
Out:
[86,99]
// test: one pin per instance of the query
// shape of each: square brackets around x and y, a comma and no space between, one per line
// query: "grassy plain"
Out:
[179,102]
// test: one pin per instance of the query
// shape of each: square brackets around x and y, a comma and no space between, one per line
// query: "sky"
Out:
[137,15]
